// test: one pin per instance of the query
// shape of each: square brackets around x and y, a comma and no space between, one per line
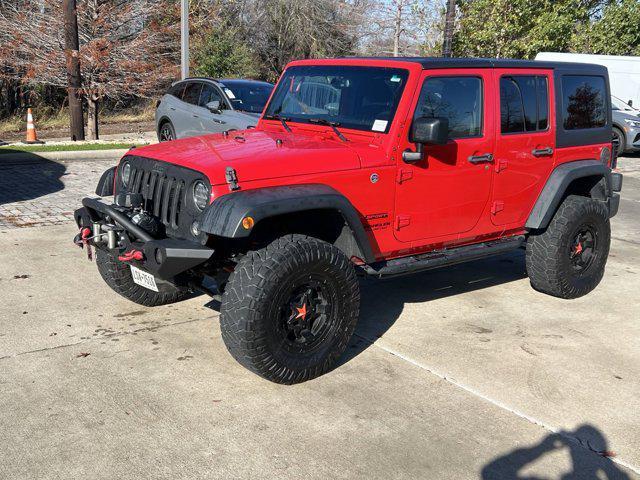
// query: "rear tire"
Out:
[118,276]
[567,259]
[290,308]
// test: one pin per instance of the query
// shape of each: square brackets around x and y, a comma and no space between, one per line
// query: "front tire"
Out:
[117,275]
[290,308]
[619,142]
[567,260]
[167,132]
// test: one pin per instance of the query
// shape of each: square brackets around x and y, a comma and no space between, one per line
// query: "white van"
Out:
[624,72]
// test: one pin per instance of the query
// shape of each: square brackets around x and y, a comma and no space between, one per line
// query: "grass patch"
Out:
[66,148]
[46,118]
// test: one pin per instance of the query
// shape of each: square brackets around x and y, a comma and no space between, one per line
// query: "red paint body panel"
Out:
[441,201]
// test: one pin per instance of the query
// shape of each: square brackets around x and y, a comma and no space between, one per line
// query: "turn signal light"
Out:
[248,223]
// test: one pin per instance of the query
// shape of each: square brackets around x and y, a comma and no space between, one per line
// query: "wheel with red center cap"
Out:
[567,259]
[290,308]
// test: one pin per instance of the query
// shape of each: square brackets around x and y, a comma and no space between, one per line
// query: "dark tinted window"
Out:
[583,100]
[177,90]
[362,98]
[524,103]
[210,94]
[247,96]
[459,99]
[192,93]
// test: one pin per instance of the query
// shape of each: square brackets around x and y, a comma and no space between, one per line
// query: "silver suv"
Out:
[196,106]
[626,127]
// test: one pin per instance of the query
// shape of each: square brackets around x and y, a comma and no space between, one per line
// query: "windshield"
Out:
[362,98]
[247,96]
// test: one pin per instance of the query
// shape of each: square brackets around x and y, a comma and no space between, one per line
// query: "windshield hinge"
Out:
[232,178]
[404,175]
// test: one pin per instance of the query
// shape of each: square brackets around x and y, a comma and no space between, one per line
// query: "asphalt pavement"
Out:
[460,373]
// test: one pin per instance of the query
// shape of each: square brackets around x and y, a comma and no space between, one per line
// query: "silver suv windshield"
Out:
[361,98]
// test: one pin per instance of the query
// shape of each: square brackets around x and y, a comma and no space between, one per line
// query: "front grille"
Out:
[165,189]
[163,195]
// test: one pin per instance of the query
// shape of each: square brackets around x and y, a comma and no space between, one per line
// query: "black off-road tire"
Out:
[117,275]
[253,316]
[551,266]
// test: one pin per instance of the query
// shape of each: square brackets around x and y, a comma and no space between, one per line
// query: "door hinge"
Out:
[404,175]
[402,221]
[500,165]
[497,206]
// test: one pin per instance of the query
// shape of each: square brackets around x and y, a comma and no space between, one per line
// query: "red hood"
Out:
[256,154]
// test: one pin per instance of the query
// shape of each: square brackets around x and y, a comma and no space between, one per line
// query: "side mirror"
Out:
[429,131]
[426,131]
[214,107]
[630,103]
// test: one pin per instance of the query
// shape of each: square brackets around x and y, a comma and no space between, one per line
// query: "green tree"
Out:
[520,28]
[220,53]
[617,32]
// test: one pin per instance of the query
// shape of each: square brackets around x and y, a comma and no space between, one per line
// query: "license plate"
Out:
[144,279]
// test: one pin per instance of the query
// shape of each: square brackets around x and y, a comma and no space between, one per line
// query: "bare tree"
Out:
[127,48]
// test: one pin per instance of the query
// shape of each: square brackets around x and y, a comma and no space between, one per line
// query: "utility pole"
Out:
[448,28]
[74,80]
[184,38]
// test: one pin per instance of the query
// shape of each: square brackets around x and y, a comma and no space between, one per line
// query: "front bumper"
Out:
[112,229]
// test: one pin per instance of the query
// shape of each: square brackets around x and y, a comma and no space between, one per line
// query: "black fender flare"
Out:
[105,184]
[557,184]
[223,217]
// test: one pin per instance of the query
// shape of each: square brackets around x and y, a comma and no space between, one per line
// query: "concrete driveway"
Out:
[460,373]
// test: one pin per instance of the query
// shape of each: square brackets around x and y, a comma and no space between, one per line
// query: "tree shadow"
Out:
[586,446]
[382,301]
[27,176]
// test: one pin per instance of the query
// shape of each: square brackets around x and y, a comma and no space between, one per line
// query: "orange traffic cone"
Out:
[32,137]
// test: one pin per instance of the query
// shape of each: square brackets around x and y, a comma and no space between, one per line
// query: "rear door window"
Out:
[458,99]
[524,103]
[177,90]
[192,93]
[583,102]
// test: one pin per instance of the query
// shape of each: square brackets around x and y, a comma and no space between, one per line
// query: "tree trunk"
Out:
[397,28]
[74,81]
[448,28]
[92,117]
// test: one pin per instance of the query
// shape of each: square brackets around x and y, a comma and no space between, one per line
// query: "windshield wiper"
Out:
[283,120]
[333,125]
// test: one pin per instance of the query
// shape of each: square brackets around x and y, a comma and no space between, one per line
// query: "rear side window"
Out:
[177,90]
[192,93]
[583,101]
[458,99]
[524,103]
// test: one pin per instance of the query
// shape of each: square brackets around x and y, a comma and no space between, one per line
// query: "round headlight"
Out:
[201,195]
[125,174]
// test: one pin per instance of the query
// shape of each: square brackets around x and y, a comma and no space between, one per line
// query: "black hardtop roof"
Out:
[460,62]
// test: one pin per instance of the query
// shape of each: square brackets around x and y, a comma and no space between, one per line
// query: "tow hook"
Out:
[131,255]
[82,240]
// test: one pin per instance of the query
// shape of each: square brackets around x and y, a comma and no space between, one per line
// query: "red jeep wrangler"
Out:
[363,166]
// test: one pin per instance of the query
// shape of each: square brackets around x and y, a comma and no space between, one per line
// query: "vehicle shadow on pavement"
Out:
[586,446]
[27,176]
[382,301]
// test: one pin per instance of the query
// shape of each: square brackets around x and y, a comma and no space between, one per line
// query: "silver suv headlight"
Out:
[633,123]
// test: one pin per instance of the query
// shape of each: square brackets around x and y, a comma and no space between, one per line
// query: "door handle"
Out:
[486,158]
[196,116]
[542,152]
[172,108]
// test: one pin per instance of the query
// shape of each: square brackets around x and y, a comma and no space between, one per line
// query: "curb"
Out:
[35,157]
